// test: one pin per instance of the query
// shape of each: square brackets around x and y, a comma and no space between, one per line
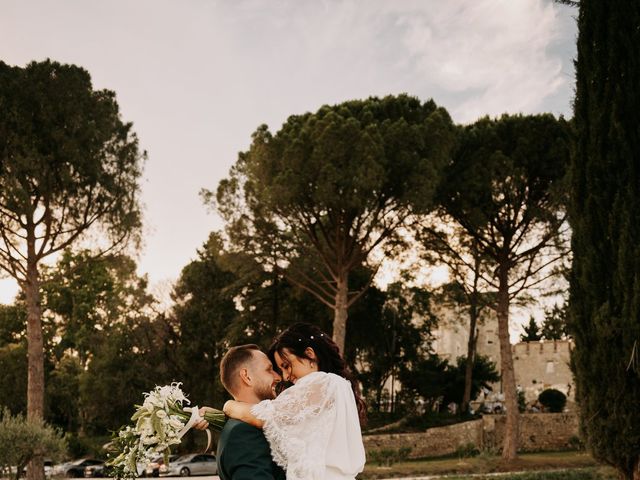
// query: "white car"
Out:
[192,464]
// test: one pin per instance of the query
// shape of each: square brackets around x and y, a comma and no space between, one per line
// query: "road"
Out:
[195,477]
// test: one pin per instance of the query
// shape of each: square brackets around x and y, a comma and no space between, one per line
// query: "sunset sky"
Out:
[196,77]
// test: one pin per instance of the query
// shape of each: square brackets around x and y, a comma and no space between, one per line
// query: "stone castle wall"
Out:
[452,334]
[542,365]
[538,432]
[537,365]
[435,442]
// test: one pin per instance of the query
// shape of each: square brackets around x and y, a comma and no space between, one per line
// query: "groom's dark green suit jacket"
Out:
[244,454]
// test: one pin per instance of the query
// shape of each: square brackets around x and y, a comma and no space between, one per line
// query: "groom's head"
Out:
[248,375]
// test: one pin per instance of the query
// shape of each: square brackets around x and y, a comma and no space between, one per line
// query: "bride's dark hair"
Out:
[300,336]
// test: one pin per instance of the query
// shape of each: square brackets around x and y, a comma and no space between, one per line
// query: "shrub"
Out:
[576,443]
[388,456]
[21,440]
[553,400]
[467,450]
[522,401]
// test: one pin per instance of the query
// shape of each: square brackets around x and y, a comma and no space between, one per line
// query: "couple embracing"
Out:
[311,429]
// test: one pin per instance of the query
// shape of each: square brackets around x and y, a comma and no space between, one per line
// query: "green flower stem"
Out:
[216,418]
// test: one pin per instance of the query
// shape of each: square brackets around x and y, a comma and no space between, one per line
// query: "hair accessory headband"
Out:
[311,337]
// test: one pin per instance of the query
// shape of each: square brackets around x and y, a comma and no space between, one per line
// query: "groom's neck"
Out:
[247,396]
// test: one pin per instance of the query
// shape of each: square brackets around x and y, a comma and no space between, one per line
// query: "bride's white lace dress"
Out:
[313,429]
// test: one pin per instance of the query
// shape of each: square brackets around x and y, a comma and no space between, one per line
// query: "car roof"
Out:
[187,456]
[173,456]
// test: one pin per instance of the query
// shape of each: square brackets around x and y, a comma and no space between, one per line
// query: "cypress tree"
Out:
[605,218]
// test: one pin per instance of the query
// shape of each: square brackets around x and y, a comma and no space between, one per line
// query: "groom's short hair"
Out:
[235,358]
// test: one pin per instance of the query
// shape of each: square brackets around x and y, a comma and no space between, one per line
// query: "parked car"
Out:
[48,467]
[153,468]
[192,464]
[75,468]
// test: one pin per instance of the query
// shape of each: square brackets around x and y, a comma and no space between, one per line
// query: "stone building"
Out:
[452,335]
[542,365]
[537,365]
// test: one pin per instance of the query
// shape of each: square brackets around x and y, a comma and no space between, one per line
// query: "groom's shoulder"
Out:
[238,437]
[243,452]
[235,427]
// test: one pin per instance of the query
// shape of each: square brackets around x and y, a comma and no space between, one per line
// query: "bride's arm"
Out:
[241,411]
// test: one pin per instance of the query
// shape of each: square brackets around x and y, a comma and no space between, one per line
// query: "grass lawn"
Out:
[566,466]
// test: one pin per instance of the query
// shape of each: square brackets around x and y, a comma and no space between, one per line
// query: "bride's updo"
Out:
[300,336]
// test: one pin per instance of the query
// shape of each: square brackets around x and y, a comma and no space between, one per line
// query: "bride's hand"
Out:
[228,407]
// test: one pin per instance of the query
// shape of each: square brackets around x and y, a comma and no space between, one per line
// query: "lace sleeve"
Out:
[298,424]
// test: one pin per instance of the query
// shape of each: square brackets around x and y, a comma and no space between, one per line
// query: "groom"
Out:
[243,451]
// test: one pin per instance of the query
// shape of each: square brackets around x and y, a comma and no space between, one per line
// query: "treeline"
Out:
[310,213]
[107,340]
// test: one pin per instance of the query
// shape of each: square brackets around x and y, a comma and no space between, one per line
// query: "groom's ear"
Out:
[245,377]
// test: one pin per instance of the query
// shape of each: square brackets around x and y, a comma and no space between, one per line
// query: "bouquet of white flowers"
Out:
[161,421]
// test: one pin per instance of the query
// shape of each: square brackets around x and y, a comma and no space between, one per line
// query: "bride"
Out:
[313,427]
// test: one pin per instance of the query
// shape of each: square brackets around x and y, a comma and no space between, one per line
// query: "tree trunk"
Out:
[340,312]
[471,355]
[35,354]
[474,313]
[510,445]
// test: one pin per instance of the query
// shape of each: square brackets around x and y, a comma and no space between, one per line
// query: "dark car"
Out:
[98,471]
[75,469]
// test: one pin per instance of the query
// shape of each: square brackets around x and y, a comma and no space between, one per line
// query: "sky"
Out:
[197,77]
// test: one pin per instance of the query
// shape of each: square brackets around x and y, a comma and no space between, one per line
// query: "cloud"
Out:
[495,49]
[481,57]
